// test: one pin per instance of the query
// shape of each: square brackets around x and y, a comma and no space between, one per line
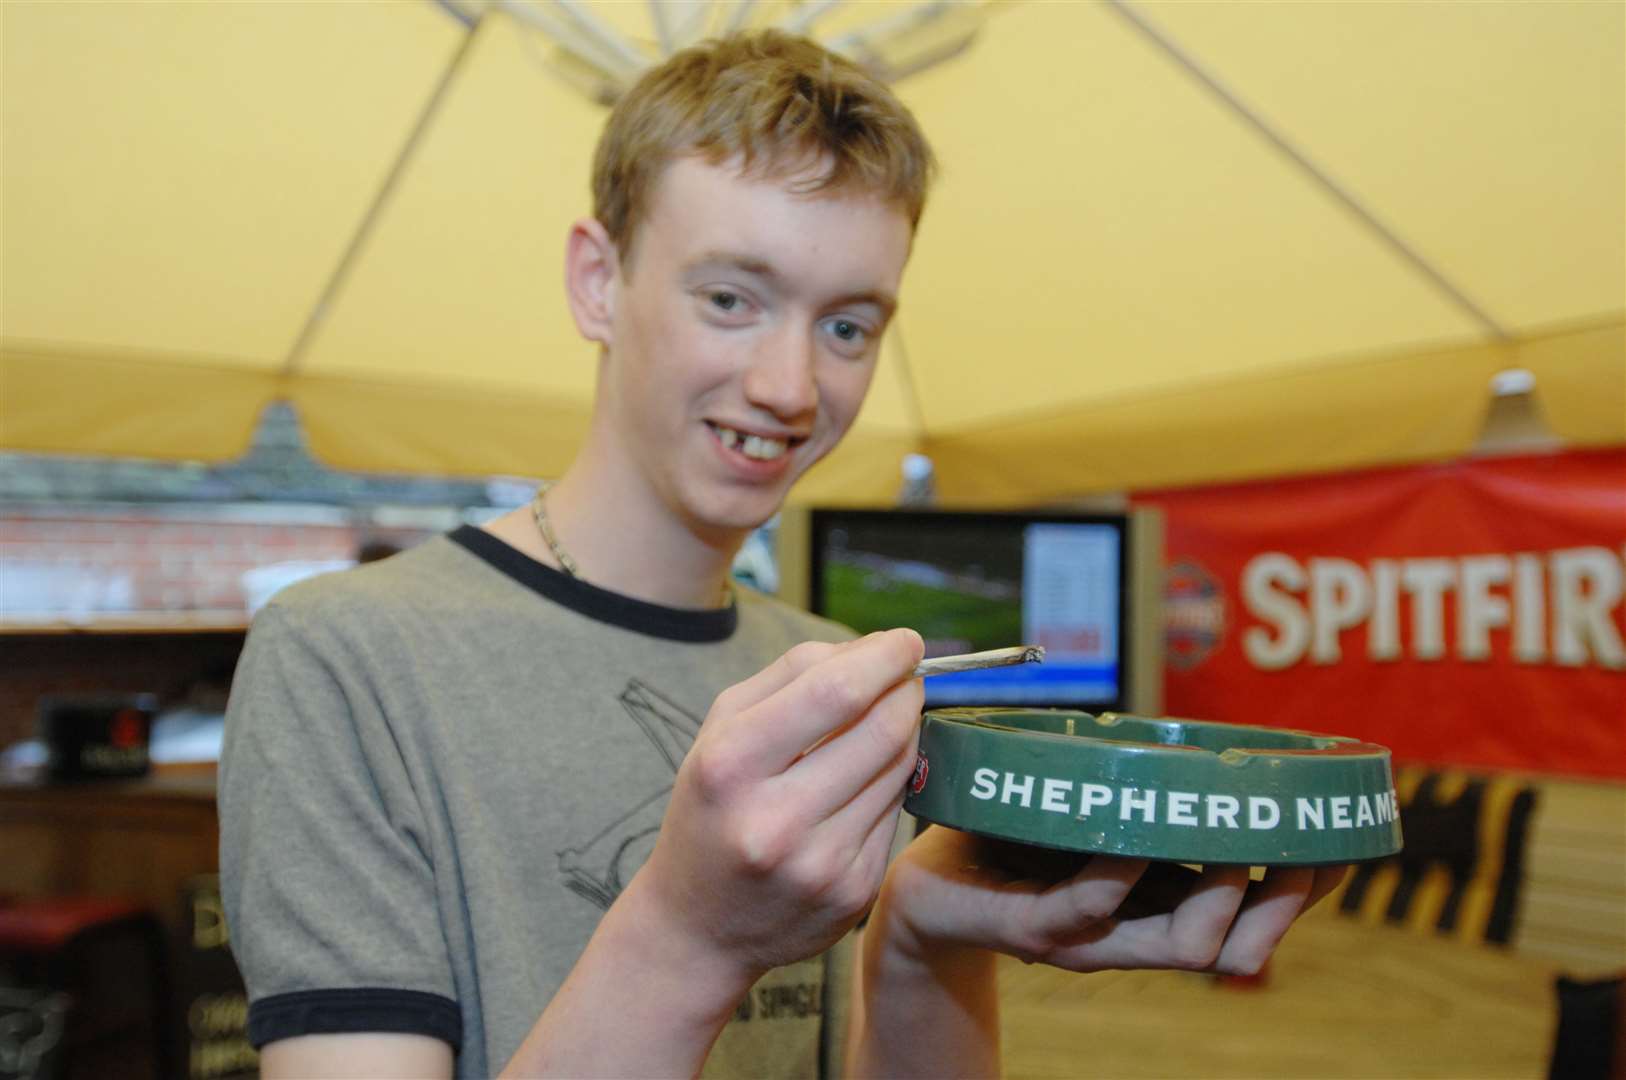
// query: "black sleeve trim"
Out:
[341,1012]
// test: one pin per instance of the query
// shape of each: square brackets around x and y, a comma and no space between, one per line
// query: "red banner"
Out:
[1467,614]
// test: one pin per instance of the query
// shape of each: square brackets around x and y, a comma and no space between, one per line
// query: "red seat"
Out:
[41,926]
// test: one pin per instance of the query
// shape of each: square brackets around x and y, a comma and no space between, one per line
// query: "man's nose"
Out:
[780,378]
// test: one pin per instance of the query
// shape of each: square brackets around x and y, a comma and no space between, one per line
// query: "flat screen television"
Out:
[972,581]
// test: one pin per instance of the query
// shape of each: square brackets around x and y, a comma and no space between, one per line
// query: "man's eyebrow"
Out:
[885,301]
[748,263]
[761,268]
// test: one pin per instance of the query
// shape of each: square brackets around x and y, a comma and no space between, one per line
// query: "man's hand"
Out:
[776,838]
[774,844]
[1088,913]
[952,900]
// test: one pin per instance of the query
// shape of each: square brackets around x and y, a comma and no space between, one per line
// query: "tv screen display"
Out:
[968,582]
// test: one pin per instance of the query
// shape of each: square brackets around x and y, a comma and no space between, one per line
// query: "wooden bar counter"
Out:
[139,838]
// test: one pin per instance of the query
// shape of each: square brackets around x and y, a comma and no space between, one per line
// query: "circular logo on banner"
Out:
[1193,615]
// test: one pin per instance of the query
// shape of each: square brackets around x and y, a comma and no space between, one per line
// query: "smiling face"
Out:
[742,339]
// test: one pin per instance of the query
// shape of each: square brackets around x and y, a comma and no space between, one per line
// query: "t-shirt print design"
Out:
[599,869]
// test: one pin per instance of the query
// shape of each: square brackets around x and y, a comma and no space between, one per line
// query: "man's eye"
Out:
[725,301]
[848,331]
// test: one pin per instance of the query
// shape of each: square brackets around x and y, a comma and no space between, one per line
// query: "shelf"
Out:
[134,622]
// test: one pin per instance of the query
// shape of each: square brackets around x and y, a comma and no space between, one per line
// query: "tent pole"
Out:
[1279,141]
[369,221]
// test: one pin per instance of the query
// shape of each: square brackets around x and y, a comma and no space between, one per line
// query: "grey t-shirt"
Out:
[439,771]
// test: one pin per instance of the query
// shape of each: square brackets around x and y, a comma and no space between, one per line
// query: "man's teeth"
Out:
[752,446]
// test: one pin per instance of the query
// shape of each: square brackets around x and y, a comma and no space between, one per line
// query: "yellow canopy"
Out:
[1172,243]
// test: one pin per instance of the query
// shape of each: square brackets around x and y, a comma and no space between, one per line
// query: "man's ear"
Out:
[592,270]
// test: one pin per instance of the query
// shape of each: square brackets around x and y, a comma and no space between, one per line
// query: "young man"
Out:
[471,818]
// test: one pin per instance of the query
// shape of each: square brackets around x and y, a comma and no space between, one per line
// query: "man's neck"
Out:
[633,546]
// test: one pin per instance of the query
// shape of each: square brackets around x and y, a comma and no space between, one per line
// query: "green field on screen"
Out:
[866,600]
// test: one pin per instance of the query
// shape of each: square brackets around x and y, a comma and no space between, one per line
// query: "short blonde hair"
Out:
[780,104]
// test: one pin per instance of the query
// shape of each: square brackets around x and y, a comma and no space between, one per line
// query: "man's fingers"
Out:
[1189,938]
[776,676]
[1202,920]
[828,696]
[844,857]
[1267,912]
[877,847]
[1125,913]
[876,798]
[1072,909]
[876,751]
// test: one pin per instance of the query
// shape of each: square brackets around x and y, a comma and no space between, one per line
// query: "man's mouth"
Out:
[756,447]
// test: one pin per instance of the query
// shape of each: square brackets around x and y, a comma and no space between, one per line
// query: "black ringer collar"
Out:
[639,616]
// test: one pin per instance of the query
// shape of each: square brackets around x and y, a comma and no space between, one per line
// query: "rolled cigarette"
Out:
[1017,654]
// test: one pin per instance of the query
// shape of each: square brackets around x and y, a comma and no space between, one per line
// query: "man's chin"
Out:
[741,512]
[743,519]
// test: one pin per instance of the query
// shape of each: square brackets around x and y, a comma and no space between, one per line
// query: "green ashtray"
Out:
[1155,788]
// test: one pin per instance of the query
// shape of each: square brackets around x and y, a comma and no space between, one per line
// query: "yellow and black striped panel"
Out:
[1462,869]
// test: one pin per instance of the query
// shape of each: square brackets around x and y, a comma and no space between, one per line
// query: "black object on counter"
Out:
[91,738]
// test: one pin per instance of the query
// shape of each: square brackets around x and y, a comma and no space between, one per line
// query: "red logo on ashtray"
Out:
[918,780]
[125,730]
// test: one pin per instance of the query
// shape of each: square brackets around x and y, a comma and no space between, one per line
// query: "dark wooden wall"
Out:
[179,667]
